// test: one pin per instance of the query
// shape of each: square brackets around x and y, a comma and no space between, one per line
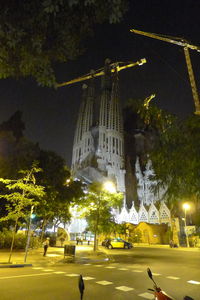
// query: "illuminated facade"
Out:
[98,149]
[98,152]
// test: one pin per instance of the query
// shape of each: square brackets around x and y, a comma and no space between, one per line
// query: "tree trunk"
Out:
[43,228]
[13,240]
[96,231]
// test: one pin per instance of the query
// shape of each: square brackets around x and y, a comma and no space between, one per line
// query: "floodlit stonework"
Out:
[98,152]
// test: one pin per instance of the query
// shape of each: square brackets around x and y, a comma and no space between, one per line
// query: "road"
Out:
[124,277]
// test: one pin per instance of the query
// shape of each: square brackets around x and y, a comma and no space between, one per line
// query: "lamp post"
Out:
[186,207]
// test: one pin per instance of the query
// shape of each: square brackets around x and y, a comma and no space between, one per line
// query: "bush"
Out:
[20,240]
[35,242]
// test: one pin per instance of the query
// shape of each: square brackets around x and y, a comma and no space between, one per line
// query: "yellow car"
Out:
[118,243]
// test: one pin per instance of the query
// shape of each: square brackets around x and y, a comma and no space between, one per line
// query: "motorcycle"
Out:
[158,293]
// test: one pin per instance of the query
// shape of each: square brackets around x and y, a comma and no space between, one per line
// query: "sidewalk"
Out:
[55,255]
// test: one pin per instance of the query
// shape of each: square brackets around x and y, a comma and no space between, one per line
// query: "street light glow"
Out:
[186,206]
[109,187]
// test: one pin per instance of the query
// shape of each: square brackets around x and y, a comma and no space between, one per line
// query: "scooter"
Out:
[158,293]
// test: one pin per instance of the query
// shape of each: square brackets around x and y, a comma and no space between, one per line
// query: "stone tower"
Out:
[98,149]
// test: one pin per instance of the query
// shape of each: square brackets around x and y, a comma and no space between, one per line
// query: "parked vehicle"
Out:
[116,243]
[158,293]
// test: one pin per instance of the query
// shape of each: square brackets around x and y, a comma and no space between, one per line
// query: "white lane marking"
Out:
[124,288]
[156,274]
[72,275]
[88,278]
[146,296]
[59,272]
[137,271]
[122,269]
[193,282]
[98,266]
[47,270]
[104,282]
[110,267]
[27,275]
[37,268]
[173,277]
[87,264]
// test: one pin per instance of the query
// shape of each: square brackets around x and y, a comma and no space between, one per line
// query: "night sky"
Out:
[50,115]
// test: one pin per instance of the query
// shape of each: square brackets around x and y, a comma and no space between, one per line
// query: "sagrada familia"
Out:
[98,152]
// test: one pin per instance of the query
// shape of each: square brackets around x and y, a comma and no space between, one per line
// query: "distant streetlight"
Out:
[109,187]
[186,207]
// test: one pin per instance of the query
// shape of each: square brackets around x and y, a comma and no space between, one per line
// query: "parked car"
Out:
[117,243]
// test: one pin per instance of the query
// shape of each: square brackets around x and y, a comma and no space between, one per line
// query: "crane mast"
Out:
[117,66]
[186,46]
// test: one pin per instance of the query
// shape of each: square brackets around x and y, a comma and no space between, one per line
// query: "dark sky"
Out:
[50,116]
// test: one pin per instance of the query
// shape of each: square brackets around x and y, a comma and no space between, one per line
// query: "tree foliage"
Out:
[36,34]
[23,193]
[176,160]
[97,207]
[17,153]
[175,153]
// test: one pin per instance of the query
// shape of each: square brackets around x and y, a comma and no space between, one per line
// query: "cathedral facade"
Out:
[98,149]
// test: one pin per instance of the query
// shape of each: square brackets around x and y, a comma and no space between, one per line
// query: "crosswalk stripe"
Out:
[72,275]
[156,274]
[193,282]
[146,296]
[173,277]
[104,282]
[124,288]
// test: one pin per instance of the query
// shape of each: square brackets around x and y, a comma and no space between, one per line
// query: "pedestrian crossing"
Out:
[117,267]
[94,277]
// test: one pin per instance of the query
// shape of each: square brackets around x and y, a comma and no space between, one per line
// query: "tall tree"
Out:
[36,34]
[174,153]
[97,207]
[24,193]
[60,190]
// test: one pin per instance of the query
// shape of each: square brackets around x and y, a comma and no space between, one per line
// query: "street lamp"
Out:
[186,207]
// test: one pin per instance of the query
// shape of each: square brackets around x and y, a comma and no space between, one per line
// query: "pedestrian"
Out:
[46,245]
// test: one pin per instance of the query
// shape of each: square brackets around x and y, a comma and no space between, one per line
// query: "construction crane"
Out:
[117,66]
[147,101]
[186,46]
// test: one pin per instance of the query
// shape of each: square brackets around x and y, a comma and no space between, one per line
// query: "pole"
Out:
[187,241]
[28,235]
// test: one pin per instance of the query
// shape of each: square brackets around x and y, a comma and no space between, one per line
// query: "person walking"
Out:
[46,245]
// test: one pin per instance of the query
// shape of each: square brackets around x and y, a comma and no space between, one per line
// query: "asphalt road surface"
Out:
[124,277]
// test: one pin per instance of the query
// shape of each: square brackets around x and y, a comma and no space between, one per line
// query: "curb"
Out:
[15,265]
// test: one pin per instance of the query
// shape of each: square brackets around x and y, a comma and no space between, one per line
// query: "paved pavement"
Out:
[55,255]
[175,270]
